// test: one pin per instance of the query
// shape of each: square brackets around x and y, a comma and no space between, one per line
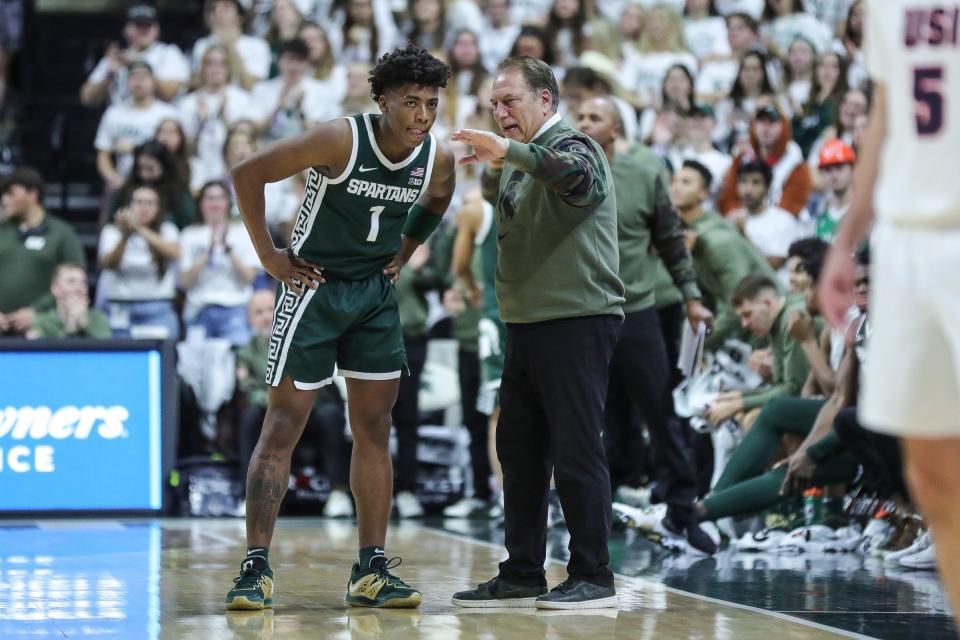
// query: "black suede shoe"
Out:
[496,593]
[696,538]
[574,593]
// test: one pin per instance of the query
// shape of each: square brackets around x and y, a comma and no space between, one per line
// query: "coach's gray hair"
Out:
[537,74]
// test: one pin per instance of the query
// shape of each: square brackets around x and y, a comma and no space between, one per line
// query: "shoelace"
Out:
[248,579]
[384,572]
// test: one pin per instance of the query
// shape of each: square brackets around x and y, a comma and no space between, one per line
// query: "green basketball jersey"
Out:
[350,224]
[486,241]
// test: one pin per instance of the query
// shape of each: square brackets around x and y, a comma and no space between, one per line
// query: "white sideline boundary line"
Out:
[688,594]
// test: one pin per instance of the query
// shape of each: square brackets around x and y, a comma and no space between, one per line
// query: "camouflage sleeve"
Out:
[573,169]
[666,234]
[490,184]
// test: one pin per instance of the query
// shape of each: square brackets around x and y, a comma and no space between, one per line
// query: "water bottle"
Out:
[813,506]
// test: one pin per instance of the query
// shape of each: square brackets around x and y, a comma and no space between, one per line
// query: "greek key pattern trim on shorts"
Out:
[284,323]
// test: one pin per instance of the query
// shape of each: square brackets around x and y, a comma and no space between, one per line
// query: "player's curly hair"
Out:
[405,66]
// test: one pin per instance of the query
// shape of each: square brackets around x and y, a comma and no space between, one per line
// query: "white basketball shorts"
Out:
[911,385]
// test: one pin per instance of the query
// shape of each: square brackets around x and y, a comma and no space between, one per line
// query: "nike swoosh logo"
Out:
[364,169]
[501,236]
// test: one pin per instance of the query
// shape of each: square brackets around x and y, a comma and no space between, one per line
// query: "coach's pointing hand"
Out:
[486,146]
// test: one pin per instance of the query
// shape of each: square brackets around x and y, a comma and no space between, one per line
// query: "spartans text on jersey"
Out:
[381,191]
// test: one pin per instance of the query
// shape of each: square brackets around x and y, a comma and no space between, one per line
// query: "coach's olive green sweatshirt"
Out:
[557,230]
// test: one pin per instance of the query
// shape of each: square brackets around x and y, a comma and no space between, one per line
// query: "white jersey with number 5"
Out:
[912,47]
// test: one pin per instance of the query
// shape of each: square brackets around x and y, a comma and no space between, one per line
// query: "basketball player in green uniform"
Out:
[378,185]
[475,265]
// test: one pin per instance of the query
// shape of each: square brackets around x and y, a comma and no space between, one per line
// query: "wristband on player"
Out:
[420,223]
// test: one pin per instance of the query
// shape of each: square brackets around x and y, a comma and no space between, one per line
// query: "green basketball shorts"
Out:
[349,328]
[492,346]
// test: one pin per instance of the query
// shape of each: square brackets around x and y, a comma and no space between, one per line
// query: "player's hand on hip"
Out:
[487,146]
[293,271]
[392,270]
[835,292]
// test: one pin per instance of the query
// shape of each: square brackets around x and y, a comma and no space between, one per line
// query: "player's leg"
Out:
[369,403]
[371,357]
[269,470]
[934,478]
[300,360]
[267,476]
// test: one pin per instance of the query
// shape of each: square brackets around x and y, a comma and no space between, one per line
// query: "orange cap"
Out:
[836,151]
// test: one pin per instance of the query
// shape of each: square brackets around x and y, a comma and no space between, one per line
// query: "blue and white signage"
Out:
[80,430]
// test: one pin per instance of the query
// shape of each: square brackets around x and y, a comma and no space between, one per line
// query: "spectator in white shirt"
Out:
[768,227]
[784,20]
[735,112]
[285,22]
[705,30]
[142,33]
[208,112]
[219,265]
[661,46]
[428,23]
[700,122]
[798,73]
[717,76]
[831,13]
[753,8]
[498,33]
[468,73]
[324,67]
[852,43]
[126,125]
[631,28]
[366,36]
[663,122]
[249,57]
[138,254]
[289,104]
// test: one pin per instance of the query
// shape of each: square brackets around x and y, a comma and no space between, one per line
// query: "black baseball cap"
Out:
[142,13]
[769,112]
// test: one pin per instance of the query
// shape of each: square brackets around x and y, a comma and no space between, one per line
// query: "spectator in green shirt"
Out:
[722,257]
[72,317]
[32,244]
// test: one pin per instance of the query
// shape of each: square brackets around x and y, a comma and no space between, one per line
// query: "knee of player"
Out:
[282,429]
[370,429]
[933,474]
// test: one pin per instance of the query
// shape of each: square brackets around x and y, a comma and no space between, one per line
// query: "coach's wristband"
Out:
[420,223]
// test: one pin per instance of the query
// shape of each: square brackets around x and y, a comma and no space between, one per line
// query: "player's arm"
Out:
[325,147]
[469,219]
[836,288]
[425,214]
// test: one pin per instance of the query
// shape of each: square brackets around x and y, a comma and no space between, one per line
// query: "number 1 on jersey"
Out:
[374,223]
